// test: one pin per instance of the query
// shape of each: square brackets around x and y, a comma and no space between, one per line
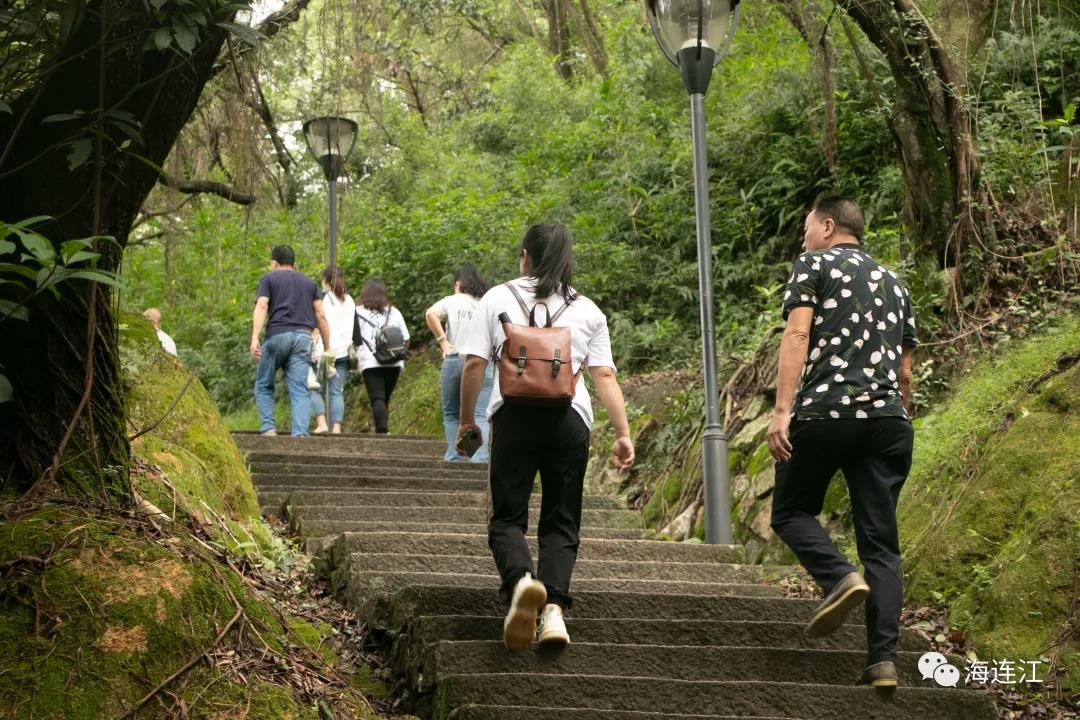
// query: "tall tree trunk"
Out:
[558,19]
[931,125]
[64,416]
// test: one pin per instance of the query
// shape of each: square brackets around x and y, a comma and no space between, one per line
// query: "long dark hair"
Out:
[335,278]
[471,282]
[548,246]
[373,295]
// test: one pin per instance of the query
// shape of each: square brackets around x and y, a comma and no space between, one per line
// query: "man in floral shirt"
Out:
[850,331]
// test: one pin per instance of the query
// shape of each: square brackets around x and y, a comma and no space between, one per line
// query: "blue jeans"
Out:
[337,393]
[450,385]
[291,351]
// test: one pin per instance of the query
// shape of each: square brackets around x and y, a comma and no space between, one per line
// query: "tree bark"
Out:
[931,124]
[60,418]
[558,19]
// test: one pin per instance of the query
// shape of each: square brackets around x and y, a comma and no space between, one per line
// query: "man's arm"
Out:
[905,378]
[324,327]
[793,348]
[258,321]
[610,394]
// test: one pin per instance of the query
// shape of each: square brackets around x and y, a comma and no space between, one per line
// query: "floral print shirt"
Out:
[862,322]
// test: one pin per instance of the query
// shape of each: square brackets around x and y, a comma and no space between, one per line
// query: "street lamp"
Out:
[695,35]
[330,140]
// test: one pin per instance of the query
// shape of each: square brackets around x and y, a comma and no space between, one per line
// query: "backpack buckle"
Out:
[521,361]
[556,363]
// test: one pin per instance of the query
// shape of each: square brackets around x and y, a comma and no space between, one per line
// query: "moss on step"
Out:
[988,518]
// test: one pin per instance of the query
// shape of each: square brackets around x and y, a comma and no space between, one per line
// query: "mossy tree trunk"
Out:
[930,121]
[67,421]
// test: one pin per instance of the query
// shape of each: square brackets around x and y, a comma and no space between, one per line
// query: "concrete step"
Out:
[299,514]
[325,528]
[584,570]
[652,631]
[369,481]
[366,582]
[694,662]
[590,549]
[700,697]
[310,463]
[408,603]
[518,712]
[397,446]
[361,497]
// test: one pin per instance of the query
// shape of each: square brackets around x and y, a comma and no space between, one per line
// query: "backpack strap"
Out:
[531,314]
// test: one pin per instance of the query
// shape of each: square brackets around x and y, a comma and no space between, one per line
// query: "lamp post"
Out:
[695,35]
[330,140]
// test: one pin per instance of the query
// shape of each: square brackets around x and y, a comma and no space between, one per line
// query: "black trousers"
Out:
[875,456]
[380,383]
[555,443]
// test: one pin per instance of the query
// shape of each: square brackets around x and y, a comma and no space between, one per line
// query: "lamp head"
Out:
[330,139]
[694,35]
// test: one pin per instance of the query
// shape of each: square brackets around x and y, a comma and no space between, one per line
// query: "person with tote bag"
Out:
[540,415]
[340,311]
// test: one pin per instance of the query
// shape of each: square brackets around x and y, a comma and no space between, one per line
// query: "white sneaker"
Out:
[519,628]
[552,627]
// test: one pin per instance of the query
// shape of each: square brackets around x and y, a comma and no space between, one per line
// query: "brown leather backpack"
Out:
[535,365]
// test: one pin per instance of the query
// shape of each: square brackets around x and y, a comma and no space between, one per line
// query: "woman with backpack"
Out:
[540,414]
[382,343]
[452,320]
[340,311]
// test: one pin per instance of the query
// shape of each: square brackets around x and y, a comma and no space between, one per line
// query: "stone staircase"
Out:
[658,629]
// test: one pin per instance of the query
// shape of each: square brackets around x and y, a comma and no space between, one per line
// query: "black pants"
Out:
[380,383]
[555,442]
[875,455]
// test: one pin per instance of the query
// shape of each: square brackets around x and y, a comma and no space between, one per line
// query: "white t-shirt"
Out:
[461,316]
[166,342]
[365,350]
[590,344]
[339,316]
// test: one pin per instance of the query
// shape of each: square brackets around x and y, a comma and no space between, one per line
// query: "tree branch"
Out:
[194,187]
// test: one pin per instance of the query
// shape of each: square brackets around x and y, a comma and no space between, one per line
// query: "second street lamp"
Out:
[695,35]
[330,140]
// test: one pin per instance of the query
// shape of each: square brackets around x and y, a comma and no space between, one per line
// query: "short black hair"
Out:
[843,211]
[283,255]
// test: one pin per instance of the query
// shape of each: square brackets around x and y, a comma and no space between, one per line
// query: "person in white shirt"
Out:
[340,312]
[374,312]
[453,320]
[552,440]
[154,316]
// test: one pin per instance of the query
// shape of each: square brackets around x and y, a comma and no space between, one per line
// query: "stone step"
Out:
[408,603]
[326,528]
[590,549]
[396,446]
[369,481]
[363,582]
[583,570]
[362,497]
[299,514]
[313,463]
[695,662]
[701,697]
[652,631]
[519,712]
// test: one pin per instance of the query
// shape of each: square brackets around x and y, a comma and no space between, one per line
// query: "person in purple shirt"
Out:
[289,304]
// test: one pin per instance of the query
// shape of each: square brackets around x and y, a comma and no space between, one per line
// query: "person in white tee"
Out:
[154,316]
[340,312]
[374,312]
[453,321]
[552,440]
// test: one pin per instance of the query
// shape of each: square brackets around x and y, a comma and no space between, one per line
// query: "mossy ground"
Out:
[98,606]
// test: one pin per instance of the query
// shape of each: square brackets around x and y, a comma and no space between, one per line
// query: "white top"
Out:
[166,342]
[460,315]
[339,316]
[590,344]
[365,350]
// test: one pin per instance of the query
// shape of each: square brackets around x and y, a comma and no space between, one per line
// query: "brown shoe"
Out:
[879,675]
[848,594]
